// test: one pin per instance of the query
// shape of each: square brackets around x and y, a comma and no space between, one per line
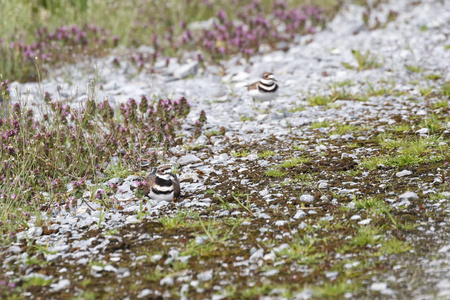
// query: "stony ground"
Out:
[342,190]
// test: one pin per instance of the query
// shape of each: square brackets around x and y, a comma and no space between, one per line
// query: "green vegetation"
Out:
[182,219]
[266,154]
[297,108]
[343,129]
[405,152]
[320,124]
[241,153]
[364,61]
[319,100]
[414,69]
[275,172]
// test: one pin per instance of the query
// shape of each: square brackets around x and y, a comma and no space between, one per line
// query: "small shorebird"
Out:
[162,184]
[265,89]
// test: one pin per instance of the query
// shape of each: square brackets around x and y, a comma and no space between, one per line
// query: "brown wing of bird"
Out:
[149,182]
[253,86]
[176,186]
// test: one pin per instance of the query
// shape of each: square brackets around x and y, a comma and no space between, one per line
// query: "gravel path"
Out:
[117,248]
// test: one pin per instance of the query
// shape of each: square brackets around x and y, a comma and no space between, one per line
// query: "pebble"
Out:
[306,198]
[299,214]
[409,195]
[365,222]
[403,173]
[62,284]
[144,293]
[205,276]
[378,286]
[188,159]
[167,281]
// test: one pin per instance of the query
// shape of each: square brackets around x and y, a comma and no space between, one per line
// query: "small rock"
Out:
[174,253]
[205,276]
[62,284]
[110,268]
[271,272]
[155,258]
[306,198]
[365,222]
[14,249]
[167,281]
[264,216]
[403,173]
[409,195]
[299,214]
[423,131]
[270,256]
[332,275]
[323,185]
[257,255]
[281,223]
[186,70]
[378,286]
[34,232]
[81,210]
[144,293]
[188,159]
[96,268]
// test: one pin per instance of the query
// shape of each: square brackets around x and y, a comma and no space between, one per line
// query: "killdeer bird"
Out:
[162,184]
[264,90]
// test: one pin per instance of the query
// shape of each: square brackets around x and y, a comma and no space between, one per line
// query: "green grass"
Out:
[440,104]
[334,290]
[321,100]
[372,205]
[380,89]
[241,153]
[296,161]
[245,118]
[364,61]
[432,123]
[297,108]
[343,83]
[266,154]
[36,281]
[322,124]
[275,172]
[405,152]
[402,127]
[342,129]
[414,69]
[366,235]
[445,89]
[182,219]
[433,77]
[395,246]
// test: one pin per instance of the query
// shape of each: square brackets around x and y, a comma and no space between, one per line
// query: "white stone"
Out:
[257,255]
[144,293]
[423,131]
[365,222]
[186,70]
[306,198]
[167,281]
[62,284]
[403,173]
[205,276]
[408,195]
[188,159]
[299,214]
[378,286]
